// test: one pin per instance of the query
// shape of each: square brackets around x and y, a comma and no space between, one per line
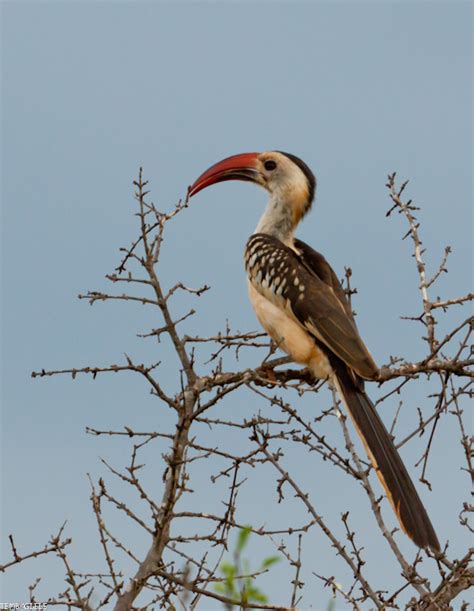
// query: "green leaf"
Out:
[229,586]
[243,537]
[257,595]
[242,590]
[270,561]
[228,569]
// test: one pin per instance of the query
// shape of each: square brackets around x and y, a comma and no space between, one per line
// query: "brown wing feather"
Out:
[318,265]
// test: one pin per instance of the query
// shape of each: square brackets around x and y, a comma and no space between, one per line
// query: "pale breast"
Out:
[289,334]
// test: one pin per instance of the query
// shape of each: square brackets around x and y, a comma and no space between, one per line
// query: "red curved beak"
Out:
[237,167]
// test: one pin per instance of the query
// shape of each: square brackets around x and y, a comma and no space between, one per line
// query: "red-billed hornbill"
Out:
[300,303]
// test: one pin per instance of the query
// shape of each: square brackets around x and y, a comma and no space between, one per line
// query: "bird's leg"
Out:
[266,368]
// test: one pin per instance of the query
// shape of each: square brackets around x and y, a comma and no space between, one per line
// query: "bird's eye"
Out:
[270,165]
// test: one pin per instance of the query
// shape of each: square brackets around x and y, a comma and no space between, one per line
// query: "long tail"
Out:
[386,460]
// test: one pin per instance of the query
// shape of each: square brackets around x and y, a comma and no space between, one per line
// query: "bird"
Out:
[300,302]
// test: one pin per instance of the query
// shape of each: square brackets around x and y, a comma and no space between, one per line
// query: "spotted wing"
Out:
[304,284]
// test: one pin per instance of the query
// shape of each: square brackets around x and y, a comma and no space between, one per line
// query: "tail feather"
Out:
[386,460]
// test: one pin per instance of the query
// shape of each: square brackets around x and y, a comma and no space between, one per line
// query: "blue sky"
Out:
[91,91]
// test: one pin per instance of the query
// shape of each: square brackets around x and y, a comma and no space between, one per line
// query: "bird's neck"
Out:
[278,220]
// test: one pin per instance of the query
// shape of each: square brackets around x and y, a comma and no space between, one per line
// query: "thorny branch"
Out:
[186,541]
